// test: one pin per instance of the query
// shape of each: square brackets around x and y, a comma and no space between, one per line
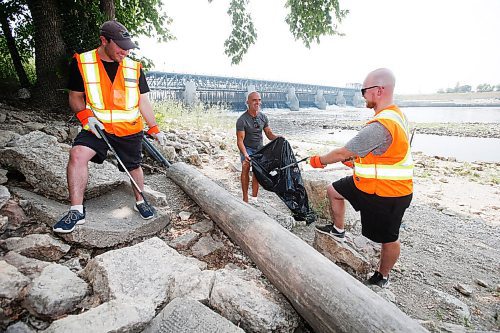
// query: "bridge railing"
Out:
[232,91]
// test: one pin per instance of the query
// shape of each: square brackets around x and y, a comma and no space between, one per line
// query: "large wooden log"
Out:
[327,297]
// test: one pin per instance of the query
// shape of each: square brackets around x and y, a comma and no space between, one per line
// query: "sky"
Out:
[428,44]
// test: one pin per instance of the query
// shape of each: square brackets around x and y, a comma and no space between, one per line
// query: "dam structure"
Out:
[232,91]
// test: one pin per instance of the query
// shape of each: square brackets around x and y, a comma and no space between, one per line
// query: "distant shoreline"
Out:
[446,104]
[470,99]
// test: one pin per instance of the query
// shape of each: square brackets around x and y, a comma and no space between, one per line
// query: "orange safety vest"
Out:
[115,104]
[389,174]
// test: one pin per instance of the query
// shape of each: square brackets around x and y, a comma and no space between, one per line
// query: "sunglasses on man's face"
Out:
[255,123]
[363,90]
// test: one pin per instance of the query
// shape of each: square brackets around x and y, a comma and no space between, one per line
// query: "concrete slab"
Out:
[110,219]
[184,315]
[42,160]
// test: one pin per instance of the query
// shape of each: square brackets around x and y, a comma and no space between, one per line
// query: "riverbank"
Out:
[470,99]
[449,234]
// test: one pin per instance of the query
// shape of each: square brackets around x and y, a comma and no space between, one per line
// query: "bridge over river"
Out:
[232,91]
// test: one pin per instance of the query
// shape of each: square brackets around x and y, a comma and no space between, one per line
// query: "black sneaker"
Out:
[69,221]
[331,231]
[146,211]
[378,279]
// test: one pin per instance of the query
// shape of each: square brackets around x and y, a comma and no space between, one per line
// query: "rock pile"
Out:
[95,279]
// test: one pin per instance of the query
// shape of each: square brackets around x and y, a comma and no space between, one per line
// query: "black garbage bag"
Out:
[287,183]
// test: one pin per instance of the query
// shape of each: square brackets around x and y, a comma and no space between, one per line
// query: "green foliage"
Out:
[144,17]
[80,25]
[82,19]
[21,26]
[7,71]
[80,22]
[311,19]
[308,21]
[243,34]
[19,19]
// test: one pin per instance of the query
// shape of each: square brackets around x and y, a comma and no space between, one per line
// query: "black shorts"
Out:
[380,216]
[128,148]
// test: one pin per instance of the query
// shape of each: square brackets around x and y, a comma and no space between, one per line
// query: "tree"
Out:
[310,19]
[63,27]
[10,48]
[108,8]
[484,87]
[49,52]
[464,89]
[243,33]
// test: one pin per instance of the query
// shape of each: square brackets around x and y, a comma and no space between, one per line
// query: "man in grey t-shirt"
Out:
[249,127]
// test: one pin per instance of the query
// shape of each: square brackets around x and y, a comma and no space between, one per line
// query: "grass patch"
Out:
[174,115]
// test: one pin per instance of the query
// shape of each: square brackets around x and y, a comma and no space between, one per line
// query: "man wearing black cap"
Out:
[108,90]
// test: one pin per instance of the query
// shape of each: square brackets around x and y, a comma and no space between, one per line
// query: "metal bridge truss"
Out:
[232,91]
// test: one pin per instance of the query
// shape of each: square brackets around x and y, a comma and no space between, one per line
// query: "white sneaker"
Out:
[253,200]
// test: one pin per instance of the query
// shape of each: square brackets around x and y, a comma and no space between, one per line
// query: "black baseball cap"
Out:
[118,33]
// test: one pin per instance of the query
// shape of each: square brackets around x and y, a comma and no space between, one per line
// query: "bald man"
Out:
[249,139]
[381,186]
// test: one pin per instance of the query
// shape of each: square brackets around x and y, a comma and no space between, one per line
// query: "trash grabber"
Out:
[151,149]
[412,134]
[101,133]
[274,172]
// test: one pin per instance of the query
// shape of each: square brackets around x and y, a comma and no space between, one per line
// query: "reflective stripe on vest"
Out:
[130,70]
[95,98]
[393,115]
[90,75]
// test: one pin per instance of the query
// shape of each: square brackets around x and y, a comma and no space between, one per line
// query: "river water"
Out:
[462,148]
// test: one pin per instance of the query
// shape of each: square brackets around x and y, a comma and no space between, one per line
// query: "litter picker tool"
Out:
[412,134]
[274,172]
[151,149]
[101,133]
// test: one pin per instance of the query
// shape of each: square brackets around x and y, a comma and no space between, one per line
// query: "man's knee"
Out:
[245,167]
[80,155]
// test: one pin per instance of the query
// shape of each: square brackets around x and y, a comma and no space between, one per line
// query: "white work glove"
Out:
[93,122]
[160,137]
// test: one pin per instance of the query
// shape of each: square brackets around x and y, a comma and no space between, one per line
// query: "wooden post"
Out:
[327,297]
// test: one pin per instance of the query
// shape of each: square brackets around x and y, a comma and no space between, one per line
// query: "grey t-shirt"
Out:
[373,137]
[253,129]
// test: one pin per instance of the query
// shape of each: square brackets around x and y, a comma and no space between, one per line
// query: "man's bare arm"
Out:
[146,110]
[77,101]
[240,136]
[337,155]
[269,133]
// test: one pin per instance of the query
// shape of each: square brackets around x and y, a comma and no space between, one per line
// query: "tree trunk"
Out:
[11,44]
[108,8]
[50,56]
[327,297]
